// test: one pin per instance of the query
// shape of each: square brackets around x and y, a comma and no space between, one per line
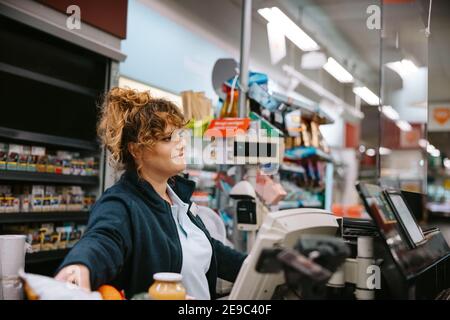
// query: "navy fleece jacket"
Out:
[131,235]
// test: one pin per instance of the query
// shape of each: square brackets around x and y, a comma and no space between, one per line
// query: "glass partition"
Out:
[402,154]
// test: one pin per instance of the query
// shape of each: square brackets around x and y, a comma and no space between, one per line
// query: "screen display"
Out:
[375,195]
[246,212]
[405,215]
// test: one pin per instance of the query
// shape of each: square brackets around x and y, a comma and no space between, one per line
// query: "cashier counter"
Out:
[412,263]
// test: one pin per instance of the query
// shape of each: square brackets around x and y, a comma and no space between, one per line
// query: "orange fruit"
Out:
[110,293]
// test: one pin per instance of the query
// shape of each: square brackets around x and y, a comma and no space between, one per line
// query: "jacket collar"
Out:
[184,188]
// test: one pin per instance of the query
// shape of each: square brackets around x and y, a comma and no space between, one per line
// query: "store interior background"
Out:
[209,32]
[171,46]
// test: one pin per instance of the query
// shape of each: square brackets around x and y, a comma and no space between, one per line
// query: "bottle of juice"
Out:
[230,107]
[167,286]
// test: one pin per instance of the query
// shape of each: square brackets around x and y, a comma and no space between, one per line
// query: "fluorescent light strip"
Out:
[337,71]
[370,152]
[390,113]
[384,151]
[367,95]
[435,153]
[447,163]
[291,30]
[403,125]
[423,143]
[404,67]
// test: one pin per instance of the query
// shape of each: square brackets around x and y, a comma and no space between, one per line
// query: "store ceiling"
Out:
[349,18]
[410,18]
[340,28]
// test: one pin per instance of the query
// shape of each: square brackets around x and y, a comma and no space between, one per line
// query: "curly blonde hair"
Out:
[131,116]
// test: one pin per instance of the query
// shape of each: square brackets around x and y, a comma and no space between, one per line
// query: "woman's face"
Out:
[166,157]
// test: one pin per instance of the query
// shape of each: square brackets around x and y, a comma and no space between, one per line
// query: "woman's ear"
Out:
[134,150]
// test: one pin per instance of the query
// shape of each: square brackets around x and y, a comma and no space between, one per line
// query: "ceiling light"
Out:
[403,125]
[447,163]
[367,95]
[291,30]
[370,152]
[436,153]
[390,113]
[337,71]
[313,60]
[423,143]
[384,151]
[404,67]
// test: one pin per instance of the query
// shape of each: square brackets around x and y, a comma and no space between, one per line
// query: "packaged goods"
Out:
[41,163]
[37,198]
[14,150]
[33,158]
[9,202]
[3,155]
[25,199]
[22,163]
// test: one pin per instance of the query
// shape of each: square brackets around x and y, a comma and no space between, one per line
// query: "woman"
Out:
[144,224]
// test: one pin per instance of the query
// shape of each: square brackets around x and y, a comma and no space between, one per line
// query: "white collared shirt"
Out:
[196,248]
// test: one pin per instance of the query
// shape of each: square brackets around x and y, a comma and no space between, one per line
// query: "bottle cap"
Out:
[167,276]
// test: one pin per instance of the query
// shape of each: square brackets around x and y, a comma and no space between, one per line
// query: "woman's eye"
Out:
[167,139]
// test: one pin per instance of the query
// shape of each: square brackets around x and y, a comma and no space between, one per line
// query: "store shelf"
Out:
[36,177]
[45,256]
[45,139]
[307,152]
[291,168]
[308,110]
[39,217]
[43,78]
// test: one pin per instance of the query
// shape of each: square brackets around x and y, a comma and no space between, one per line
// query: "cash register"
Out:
[412,263]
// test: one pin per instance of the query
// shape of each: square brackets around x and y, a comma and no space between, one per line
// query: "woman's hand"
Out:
[77,274]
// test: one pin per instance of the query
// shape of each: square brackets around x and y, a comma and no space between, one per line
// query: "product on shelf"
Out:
[3,155]
[22,162]
[49,236]
[41,163]
[75,202]
[270,191]
[37,198]
[25,201]
[230,106]
[14,150]
[196,105]
[8,202]
[201,198]
[36,152]
[17,157]
[40,198]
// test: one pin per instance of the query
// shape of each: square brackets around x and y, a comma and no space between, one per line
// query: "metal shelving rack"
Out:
[6,176]
[40,217]
[42,177]
[47,140]
[45,256]
[83,87]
